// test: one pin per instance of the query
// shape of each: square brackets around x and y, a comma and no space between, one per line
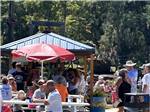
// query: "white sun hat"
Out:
[129,63]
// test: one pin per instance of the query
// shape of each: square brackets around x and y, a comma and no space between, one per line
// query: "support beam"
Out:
[47,23]
[92,76]
[10,36]
[85,67]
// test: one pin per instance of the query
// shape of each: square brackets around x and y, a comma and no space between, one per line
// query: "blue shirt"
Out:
[6,92]
[133,75]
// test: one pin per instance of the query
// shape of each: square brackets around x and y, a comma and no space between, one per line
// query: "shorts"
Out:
[147,99]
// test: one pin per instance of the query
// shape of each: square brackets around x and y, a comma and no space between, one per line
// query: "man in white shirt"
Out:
[53,102]
[146,79]
[146,84]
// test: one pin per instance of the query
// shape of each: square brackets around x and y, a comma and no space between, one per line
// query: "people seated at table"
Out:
[20,77]
[132,74]
[39,95]
[123,85]
[13,69]
[62,88]
[12,82]
[21,95]
[5,89]
[53,102]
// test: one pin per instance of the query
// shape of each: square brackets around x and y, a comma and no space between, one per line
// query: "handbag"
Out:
[115,100]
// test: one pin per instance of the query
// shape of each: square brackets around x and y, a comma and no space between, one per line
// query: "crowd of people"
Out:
[127,83]
[126,80]
[56,90]
[68,81]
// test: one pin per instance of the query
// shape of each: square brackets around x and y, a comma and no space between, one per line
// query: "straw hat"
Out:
[129,63]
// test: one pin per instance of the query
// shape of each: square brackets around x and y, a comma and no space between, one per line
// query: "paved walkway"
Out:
[111,110]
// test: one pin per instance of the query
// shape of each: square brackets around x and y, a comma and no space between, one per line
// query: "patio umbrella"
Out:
[43,52]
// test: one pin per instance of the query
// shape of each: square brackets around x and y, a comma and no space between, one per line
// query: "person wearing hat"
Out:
[132,74]
[39,95]
[12,82]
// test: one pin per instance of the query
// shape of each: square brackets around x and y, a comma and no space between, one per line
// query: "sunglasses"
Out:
[41,84]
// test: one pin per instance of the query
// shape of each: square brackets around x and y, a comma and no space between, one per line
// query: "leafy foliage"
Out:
[118,30]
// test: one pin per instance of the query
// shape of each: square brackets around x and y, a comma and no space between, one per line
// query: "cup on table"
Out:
[27,100]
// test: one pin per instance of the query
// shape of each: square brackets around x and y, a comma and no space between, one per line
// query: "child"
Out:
[20,96]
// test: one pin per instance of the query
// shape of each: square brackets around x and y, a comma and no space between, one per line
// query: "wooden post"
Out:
[85,67]
[10,36]
[92,76]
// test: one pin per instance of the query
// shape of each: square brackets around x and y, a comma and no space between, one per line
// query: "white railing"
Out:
[72,104]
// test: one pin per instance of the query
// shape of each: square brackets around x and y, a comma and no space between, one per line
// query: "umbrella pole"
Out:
[42,70]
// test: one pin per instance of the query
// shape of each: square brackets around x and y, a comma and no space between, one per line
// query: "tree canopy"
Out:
[118,30]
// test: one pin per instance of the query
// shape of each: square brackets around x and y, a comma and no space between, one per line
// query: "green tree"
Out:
[118,30]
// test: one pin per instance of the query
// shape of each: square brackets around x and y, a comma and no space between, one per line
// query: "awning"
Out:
[50,38]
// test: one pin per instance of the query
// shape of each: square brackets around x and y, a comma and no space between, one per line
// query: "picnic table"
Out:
[137,102]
